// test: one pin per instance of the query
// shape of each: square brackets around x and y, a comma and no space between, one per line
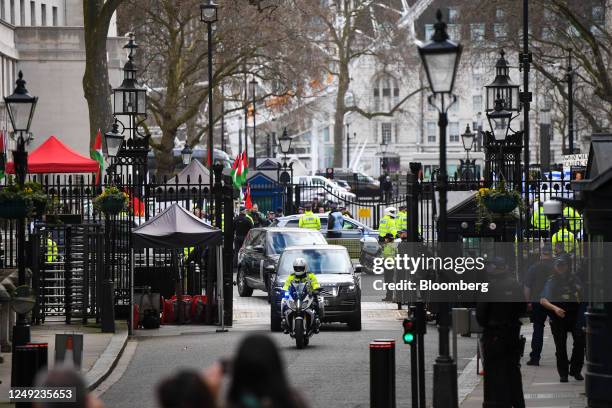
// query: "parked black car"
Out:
[361,184]
[261,251]
[340,283]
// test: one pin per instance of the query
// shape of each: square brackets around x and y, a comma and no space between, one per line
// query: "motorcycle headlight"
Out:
[307,303]
[290,303]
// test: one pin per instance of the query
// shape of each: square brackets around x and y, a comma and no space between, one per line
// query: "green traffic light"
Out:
[408,338]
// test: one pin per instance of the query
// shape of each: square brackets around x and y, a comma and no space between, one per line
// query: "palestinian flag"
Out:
[247,198]
[239,171]
[2,155]
[96,154]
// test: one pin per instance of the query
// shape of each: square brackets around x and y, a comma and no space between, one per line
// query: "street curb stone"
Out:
[108,359]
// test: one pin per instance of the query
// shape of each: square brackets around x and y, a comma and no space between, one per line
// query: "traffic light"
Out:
[409,332]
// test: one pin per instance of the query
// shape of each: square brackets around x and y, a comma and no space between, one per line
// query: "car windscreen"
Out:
[278,241]
[318,261]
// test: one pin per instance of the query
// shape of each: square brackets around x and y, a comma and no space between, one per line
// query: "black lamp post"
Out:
[440,59]
[499,120]
[467,138]
[253,86]
[130,99]
[21,106]
[502,88]
[208,15]
[284,142]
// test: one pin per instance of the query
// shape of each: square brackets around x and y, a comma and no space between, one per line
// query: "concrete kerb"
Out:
[107,361]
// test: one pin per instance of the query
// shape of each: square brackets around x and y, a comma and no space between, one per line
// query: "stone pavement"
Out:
[101,352]
[541,384]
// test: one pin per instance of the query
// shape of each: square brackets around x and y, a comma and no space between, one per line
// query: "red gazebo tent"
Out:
[55,157]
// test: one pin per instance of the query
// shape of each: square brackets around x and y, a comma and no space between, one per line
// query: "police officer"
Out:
[499,314]
[563,240]
[561,298]
[533,284]
[388,224]
[402,218]
[539,220]
[309,220]
[389,251]
[259,220]
[335,222]
[242,225]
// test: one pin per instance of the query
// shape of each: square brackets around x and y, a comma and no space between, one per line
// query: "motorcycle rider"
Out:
[301,274]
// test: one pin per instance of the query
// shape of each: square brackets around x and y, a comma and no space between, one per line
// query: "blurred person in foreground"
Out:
[499,313]
[64,376]
[259,379]
[191,389]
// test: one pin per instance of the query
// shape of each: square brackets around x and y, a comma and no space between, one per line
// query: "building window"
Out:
[454,32]
[429,30]
[500,30]
[13,12]
[453,14]
[477,32]
[597,13]
[43,14]
[54,16]
[2,12]
[32,13]
[499,14]
[455,106]
[387,133]
[431,132]
[325,135]
[22,12]
[477,103]
[385,87]
[453,132]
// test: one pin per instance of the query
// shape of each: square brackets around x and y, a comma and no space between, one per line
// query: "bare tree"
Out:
[263,42]
[97,15]
[349,30]
[558,27]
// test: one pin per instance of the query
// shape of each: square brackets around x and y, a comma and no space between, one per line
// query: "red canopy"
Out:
[55,157]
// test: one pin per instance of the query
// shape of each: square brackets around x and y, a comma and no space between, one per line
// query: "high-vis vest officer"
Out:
[563,240]
[402,219]
[572,218]
[388,223]
[538,219]
[309,220]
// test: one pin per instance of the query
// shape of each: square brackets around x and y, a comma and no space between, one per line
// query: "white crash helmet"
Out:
[391,212]
[299,267]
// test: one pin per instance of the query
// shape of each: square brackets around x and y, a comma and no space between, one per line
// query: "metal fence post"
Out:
[382,374]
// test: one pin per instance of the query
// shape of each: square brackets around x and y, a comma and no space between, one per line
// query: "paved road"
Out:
[332,371]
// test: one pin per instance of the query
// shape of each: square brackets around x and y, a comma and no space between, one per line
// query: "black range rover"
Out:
[340,283]
[261,250]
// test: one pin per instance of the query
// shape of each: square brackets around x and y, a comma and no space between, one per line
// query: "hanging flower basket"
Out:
[500,204]
[21,202]
[112,201]
[14,208]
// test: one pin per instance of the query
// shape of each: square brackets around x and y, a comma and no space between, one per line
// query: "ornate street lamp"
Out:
[440,59]
[130,99]
[208,12]
[114,140]
[499,120]
[467,138]
[502,87]
[21,106]
[285,143]
[186,154]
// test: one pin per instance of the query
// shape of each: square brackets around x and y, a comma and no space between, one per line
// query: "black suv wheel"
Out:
[243,288]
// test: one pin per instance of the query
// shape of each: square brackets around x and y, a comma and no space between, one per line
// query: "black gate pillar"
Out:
[228,253]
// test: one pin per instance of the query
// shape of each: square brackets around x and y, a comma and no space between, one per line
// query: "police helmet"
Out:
[299,267]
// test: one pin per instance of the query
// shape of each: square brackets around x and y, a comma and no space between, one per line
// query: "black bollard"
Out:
[382,374]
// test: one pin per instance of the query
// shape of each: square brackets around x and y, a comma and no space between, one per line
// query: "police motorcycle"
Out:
[300,319]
